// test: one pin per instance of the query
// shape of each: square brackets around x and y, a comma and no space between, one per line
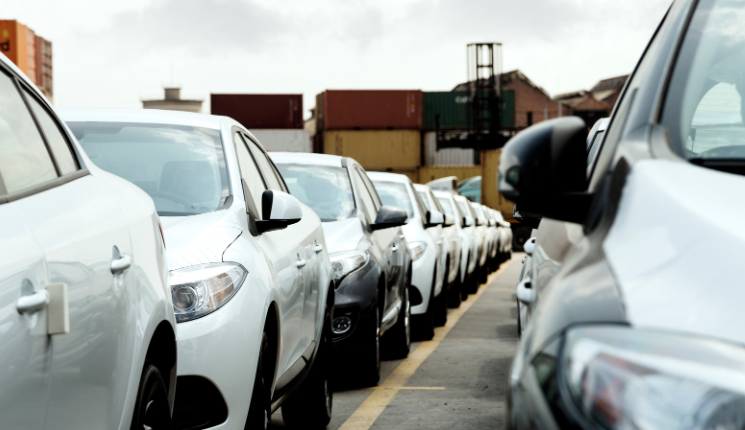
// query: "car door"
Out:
[304,233]
[282,251]
[86,243]
[25,355]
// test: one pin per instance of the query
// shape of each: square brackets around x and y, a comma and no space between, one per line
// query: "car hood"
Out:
[676,249]
[342,235]
[199,239]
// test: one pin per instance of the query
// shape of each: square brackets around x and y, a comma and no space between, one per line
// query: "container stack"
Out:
[276,120]
[381,129]
[446,111]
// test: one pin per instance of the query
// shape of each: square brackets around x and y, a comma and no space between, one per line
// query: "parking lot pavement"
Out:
[455,381]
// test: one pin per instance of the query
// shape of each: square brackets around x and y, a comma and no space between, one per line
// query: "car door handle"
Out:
[119,265]
[300,263]
[33,302]
[319,248]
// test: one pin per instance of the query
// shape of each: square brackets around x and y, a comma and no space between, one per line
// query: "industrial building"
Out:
[596,103]
[30,53]
[173,101]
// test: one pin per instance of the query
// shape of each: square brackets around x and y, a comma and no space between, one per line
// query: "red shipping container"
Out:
[370,109]
[264,111]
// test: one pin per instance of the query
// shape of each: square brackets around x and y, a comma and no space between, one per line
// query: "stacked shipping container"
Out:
[276,120]
[29,52]
[378,128]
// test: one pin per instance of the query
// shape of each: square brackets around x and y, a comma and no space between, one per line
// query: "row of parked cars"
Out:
[161,269]
[629,300]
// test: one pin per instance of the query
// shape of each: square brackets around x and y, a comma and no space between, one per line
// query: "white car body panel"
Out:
[462,237]
[473,238]
[449,238]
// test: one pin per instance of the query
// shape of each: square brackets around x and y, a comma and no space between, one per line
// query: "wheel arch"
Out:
[162,353]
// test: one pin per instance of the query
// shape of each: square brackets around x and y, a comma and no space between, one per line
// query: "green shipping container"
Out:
[454,110]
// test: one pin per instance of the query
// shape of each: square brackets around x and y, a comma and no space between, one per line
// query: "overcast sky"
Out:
[116,53]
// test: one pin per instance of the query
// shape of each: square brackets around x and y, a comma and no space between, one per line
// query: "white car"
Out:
[422,233]
[451,239]
[474,242]
[463,245]
[250,277]
[87,327]
[367,248]
[482,232]
[505,232]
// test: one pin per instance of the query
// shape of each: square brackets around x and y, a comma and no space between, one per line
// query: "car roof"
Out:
[387,176]
[147,116]
[306,159]
[420,187]
[439,193]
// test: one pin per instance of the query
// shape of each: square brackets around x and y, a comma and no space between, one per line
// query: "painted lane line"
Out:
[368,412]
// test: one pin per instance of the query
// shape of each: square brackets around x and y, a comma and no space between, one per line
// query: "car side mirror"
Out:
[449,220]
[479,222]
[543,170]
[434,218]
[529,246]
[528,221]
[492,223]
[278,210]
[467,221]
[389,216]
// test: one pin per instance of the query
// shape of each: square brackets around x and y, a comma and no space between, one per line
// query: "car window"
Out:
[447,206]
[394,194]
[24,159]
[324,189]
[364,194]
[249,172]
[370,188]
[181,167]
[425,201]
[419,203]
[703,112]
[273,182]
[57,141]
[594,145]
[434,201]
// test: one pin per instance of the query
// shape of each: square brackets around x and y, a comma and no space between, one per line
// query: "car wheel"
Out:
[370,369]
[454,293]
[425,323]
[397,341]
[484,275]
[311,405]
[519,322]
[259,413]
[151,410]
[441,304]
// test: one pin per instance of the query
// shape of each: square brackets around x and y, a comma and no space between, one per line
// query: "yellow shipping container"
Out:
[430,173]
[490,195]
[376,150]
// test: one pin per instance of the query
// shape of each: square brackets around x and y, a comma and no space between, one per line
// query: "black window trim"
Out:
[281,179]
[61,179]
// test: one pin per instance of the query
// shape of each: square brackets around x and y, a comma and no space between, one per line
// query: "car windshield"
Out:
[704,108]
[394,194]
[182,168]
[447,206]
[324,189]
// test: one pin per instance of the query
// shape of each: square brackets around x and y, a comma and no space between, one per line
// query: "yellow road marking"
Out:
[364,417]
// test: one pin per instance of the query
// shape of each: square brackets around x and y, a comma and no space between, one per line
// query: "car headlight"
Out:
[347,262]
[416,249]
[202,289]
[622,378]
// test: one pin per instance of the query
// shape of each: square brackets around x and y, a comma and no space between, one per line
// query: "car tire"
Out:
[441,302]
[454,293]
[519,321]
[484,275]
[425,323]
[152,410]
[311,405]
[370,360]
[397,340]
[260,410]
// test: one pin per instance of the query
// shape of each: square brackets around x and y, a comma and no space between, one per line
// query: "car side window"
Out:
[419,204]
[270,176]
[249,172]
[367,200]
[423,196]
[57,141]
[371,189]
[24,158]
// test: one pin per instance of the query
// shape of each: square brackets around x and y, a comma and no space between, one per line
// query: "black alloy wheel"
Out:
[370,360]
[454,293]
[152,411]
[310,407]
[424,324]
[397,340]
[260,410]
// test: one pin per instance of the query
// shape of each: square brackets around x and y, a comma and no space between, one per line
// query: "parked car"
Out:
[250,277]
[641,325]
[505,234]
[422,232]
[372,270]
[494,235]
[450,238]
[473,278]
[86,321]
[524,290]
[463,244]
[482,231]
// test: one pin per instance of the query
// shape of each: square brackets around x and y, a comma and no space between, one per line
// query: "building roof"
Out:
[610,84]
[505,78]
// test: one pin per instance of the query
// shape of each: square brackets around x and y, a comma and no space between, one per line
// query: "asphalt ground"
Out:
[455,381]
